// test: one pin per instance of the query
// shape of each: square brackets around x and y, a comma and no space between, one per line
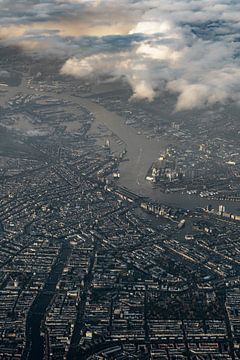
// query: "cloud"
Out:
[117,65]
[187,47]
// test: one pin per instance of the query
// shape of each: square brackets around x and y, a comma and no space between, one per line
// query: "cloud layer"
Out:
[187,47]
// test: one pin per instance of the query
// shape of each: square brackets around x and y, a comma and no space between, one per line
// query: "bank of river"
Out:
[141,152]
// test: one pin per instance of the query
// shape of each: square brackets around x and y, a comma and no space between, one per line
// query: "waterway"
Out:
[141,152]
[35,342]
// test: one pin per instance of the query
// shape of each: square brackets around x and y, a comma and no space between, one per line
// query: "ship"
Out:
[181,224]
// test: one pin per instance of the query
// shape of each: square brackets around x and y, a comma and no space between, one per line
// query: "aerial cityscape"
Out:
[119,180]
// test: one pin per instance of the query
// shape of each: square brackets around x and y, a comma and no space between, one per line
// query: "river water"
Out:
[141,152]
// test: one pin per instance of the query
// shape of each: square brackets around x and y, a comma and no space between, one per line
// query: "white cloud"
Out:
[188,47]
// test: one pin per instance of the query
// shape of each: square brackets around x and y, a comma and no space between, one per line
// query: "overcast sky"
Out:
[187,47]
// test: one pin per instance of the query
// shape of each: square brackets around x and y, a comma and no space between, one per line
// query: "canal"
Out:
[35,342]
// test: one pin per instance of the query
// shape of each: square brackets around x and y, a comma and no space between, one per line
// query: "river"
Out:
[141,152]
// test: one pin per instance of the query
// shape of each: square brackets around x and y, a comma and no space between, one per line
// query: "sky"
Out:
[189,48]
